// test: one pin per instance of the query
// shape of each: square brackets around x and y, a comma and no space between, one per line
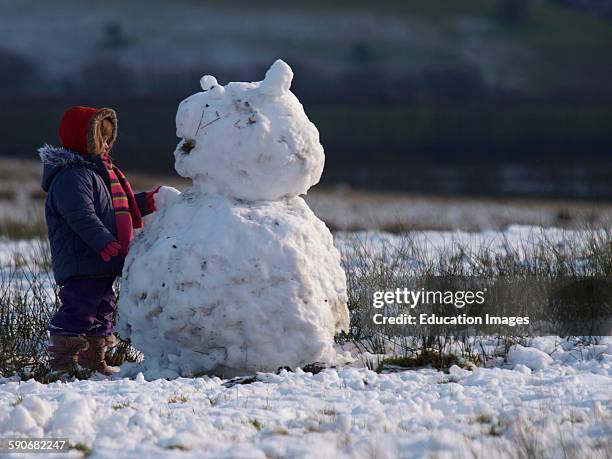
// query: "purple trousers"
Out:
[87,308]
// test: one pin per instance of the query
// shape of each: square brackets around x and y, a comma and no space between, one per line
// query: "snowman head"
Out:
[250,141]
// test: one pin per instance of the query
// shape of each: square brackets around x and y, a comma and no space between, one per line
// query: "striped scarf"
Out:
[127,214]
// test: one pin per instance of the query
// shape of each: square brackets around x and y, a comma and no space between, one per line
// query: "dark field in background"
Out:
[478,97]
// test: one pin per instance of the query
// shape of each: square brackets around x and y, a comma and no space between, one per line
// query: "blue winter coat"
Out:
[79,214]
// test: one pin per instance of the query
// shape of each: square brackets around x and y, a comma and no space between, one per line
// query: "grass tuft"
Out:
[426,358]
[176,446]
[120,405]
[82,447]
[178,399]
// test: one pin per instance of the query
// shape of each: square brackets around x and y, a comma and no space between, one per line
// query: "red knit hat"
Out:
[78,128]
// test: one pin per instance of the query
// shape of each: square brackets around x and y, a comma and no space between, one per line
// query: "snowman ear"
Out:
[208,82]
[278,79]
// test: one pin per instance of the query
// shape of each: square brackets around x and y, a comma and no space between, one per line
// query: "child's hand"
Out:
[163,196]
[111,250]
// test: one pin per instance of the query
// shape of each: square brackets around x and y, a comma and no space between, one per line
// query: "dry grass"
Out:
[28,300]
[386,266]
[7,195]
[23,230]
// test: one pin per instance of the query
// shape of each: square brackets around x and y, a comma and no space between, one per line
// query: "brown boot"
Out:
[92,358]
[63,352]
[115,354]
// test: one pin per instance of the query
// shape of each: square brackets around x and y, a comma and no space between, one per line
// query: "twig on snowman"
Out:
[200,126]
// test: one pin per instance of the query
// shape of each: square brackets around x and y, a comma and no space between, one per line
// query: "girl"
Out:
[91,212]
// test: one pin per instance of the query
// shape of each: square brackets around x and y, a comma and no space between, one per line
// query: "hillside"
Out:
[550,49]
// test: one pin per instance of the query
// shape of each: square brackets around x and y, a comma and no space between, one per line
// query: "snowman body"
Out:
[236,274]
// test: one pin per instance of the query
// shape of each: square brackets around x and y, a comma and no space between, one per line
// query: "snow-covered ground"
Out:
[351,210]
[544,402]
[562,409]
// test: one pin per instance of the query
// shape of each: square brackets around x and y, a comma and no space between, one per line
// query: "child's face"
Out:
[104,148]
[104,137]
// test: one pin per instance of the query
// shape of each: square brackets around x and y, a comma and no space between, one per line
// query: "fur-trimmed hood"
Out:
[79,127]
[60,156]
[55,159]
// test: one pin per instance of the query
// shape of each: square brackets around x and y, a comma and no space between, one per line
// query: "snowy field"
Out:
[547,400]
[562,410]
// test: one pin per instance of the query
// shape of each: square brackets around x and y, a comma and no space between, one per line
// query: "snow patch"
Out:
[530,357]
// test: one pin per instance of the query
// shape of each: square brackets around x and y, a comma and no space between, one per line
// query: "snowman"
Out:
[236,275]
